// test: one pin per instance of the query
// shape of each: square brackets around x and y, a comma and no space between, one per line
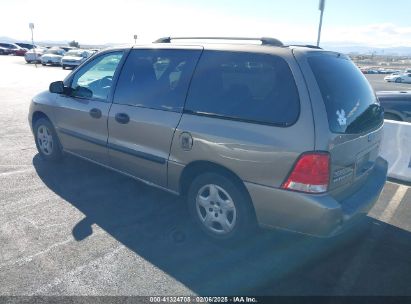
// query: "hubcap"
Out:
[45,140]
[216,209]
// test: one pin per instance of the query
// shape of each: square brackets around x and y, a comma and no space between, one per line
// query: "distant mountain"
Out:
[43,42]
[52,42]
[350,48]
[392,51]
[8,39]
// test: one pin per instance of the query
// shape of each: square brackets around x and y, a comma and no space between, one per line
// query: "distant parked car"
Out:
[386,71]
[34,55]
[5,51]
[368,71]
[390,71]
[397,77]
[397,105]
[14,49]
[52,56]
[27,46]
[74,58]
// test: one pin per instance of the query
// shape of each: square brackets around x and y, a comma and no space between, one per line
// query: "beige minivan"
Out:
[280,136]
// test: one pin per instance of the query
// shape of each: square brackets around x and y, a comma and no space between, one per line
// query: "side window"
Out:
[245,86]
[95,79]
[156,79]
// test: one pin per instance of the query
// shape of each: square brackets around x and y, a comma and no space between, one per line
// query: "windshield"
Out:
[55,52]
[74,53]
[351,104]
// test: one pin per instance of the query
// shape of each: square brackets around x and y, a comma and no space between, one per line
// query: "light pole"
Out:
[31,26]
[321,8]
[135,39]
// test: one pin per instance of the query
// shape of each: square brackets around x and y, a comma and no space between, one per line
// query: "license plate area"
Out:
[363,165]
[365,161]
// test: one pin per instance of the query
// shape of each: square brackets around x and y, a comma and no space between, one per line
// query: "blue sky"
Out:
[373,23]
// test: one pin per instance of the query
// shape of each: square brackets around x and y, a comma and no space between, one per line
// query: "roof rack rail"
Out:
[264,40]
[307,46]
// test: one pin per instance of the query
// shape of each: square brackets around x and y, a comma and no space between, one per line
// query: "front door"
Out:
[147,107]
[81,114]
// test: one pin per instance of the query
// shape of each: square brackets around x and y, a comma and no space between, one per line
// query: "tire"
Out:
[398,80]
[229,205]
[47,141]
[43,64]
[63,67]
[391,116]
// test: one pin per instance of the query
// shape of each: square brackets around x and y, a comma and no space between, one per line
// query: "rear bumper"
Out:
[318,215]
[50,61]
[70,64]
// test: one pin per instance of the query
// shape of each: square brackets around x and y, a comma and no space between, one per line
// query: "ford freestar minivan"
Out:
[281,136]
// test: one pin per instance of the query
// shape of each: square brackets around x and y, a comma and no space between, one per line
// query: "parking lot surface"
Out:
[74,228]
[379,84]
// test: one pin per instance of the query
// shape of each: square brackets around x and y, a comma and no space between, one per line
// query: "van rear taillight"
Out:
[311,173]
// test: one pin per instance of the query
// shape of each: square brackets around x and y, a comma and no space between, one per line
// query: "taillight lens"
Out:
[311,173]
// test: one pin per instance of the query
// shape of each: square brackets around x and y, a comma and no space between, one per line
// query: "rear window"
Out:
[351,103]
[244,86]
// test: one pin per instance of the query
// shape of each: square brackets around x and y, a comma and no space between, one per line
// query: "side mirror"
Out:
[83,92]
[56,87]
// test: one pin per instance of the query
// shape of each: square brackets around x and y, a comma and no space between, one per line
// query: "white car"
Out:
[397,77]
[74,58]
[52,56]
[34,55]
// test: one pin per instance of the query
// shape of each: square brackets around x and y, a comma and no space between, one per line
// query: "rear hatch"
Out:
[354,117]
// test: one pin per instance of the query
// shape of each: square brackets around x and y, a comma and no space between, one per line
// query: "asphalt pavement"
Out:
[74,228]
[379,84]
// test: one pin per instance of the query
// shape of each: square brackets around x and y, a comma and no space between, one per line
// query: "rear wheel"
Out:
[220,208]
[63,67]
[47,141]
[43,64]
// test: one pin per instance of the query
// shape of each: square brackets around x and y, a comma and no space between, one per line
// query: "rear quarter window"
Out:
[351,104]
[249,87]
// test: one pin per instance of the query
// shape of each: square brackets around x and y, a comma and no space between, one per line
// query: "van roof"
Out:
[223,44]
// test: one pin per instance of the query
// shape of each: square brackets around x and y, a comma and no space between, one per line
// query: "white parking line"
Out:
[393,205]
[2,174]
[26,259]
[349,277]
[73,274]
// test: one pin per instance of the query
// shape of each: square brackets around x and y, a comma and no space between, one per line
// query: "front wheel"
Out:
[398,80]
[220,207]
[47,141]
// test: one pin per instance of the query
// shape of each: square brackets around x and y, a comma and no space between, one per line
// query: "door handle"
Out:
[95,113]
[122,118]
